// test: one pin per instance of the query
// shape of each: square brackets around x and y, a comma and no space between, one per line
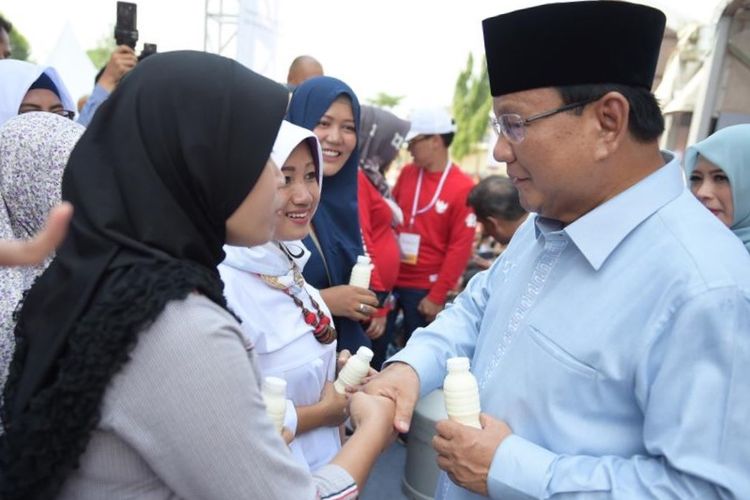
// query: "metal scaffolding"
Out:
[245,30]
[220,26]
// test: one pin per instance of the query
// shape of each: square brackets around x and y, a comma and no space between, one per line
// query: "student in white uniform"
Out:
[284,318]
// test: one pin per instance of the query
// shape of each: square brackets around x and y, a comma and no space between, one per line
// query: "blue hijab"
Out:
[729,149]
[336,223]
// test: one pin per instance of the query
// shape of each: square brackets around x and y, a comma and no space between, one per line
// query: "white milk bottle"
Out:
[274,395]
[461,393]
[354,370]
[361,272]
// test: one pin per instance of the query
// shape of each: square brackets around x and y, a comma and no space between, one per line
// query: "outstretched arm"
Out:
[34,251]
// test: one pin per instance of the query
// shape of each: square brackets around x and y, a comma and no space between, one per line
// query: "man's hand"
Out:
[466,453]
[122,60]
[399,383]
[34,251]
[429,309]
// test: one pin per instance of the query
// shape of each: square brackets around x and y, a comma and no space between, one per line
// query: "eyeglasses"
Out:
[513,126]
[417,139]
[65,113]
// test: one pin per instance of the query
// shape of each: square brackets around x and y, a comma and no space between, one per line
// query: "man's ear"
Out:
[612,114]
[491,222]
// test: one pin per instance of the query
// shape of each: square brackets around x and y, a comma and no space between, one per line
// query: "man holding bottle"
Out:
[611,340]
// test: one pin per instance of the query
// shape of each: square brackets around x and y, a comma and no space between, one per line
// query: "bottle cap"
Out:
[363,259]
[458,364]
[274,385]
[365,354]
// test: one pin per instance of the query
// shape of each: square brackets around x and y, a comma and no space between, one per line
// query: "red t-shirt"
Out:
[379,236]
[446,230]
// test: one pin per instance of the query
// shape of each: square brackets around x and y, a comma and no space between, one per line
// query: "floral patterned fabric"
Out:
[34,148]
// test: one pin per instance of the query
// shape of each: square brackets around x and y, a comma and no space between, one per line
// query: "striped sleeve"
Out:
[334,483]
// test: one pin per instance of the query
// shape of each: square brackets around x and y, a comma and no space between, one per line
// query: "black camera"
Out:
[148,49]
[126,29]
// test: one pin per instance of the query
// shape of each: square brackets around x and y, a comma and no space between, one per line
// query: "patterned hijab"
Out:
[381,134]
[34,148]
[729,149]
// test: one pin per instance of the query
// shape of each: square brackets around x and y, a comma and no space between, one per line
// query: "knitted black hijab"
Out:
[167,159]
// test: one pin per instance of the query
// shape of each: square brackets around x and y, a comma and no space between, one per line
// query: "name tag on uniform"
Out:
[409,244]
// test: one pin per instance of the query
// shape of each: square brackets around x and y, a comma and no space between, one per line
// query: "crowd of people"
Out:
[193,231]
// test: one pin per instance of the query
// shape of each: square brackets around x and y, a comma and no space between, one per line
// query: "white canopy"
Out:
[72,64]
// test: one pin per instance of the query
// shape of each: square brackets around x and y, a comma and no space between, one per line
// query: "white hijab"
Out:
[15,79]
[269,259]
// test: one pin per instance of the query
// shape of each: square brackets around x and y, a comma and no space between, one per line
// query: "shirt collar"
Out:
[600,231]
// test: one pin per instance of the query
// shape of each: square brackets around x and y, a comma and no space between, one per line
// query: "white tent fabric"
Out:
[257,36]
[73,65]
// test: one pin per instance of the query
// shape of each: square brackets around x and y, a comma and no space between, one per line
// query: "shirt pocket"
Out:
[559,355]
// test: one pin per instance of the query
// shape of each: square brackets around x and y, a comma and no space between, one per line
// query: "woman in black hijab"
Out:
[130,377]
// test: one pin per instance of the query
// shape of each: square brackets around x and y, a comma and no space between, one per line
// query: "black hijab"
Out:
[167,159]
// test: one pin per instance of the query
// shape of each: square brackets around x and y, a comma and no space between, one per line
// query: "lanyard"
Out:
[414,211]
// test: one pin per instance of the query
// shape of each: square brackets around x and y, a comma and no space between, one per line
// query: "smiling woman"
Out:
[300,193]
[330,108]
[337,134]
[284,317]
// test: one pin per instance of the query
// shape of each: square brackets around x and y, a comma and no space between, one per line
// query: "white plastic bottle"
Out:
[361,272]
[461,393]
[354,370]
[274,395]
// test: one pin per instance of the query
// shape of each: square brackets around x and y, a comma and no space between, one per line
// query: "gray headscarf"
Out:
[34,148]
[381,134]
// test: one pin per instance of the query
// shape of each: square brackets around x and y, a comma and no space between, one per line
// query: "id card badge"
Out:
[409,245]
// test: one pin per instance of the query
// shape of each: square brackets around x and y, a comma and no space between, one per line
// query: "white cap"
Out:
[365,354]
[274,385]
[363,259]
[430,121]
[458,364]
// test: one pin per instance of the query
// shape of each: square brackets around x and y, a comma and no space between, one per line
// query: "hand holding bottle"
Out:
[466,453]
[461,393]
[351,302]
[334,406]
[354,371]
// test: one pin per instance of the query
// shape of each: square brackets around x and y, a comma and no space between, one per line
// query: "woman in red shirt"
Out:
[381,136]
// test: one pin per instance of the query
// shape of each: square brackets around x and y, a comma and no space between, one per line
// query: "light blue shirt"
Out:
[617,349]
[97,97]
